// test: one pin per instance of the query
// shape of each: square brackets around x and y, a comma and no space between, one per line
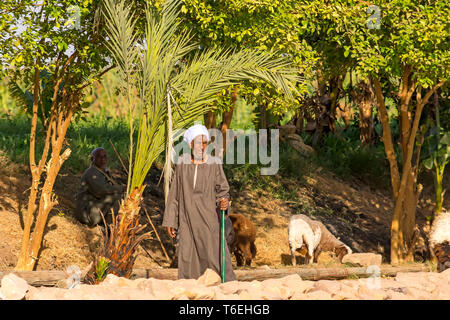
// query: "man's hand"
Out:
[223,204]
[172,232]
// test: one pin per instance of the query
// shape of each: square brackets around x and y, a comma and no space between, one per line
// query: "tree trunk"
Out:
[344,111]
[227,116]
[387,138]
[56,127]
[35,174]
[400,230]
[47,200]
[122,239]
[210,120]
[335,84]
[363,97]
[262,116]
[299,123]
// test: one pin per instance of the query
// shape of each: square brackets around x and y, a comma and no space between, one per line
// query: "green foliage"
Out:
[415,33]
[100,268]
[244,115]
[50,31]
[345,156]
[83,137]
[172,68]
[264,25]
[436,157]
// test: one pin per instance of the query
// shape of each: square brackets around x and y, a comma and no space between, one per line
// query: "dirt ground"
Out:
[360,216]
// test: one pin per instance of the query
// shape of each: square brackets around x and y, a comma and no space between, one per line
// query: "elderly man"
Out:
[98,194]
[198,188]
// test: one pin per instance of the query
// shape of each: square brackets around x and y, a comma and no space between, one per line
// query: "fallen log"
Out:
[327,273]
[38,278]
[304,273]
[51,278]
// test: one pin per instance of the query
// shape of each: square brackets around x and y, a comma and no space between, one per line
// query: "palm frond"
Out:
[170,59]
[22,96]
[122,38]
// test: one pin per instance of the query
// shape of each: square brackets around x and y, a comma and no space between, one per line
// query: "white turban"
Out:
[195,131]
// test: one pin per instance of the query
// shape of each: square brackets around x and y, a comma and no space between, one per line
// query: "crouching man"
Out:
[99,193]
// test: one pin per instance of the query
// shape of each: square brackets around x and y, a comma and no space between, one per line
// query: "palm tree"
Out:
[177,82]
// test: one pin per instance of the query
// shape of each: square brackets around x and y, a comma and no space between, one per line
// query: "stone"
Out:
[345,293]
[418,294]
[395,295]
[332,287]
[245,295]
[192,291]
[420,280]
[270,295]
[319,295]
[219,294]
[362,259]
[229,297]
[209,278]
[366,293]
[13,287]
[299,296]
[44,293]
[161,289]
[113,280]
[445,275]
[278,287]
[300,286]
[229,287]
[443,292]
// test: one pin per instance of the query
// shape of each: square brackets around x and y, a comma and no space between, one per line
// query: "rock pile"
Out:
[423,285]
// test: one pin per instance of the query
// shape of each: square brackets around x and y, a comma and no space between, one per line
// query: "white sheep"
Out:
[301,233]
[315,237]
[439,240]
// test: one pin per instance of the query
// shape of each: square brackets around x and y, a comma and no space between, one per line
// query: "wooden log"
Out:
[38,278]
[304,273]
[51,278]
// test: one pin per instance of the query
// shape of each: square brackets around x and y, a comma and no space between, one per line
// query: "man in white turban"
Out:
[199,187]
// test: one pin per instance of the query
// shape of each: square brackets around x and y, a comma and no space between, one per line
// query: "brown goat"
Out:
[243,245]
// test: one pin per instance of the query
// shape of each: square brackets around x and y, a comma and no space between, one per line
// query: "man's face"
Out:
[100,159]
[198,146]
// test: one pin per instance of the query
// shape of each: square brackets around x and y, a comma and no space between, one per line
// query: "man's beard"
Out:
[198,156]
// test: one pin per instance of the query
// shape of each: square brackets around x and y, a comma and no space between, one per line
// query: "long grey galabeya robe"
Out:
[193,213]
[95,196]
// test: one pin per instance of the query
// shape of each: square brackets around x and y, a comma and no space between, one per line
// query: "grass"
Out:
[82,137]
[344,155]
